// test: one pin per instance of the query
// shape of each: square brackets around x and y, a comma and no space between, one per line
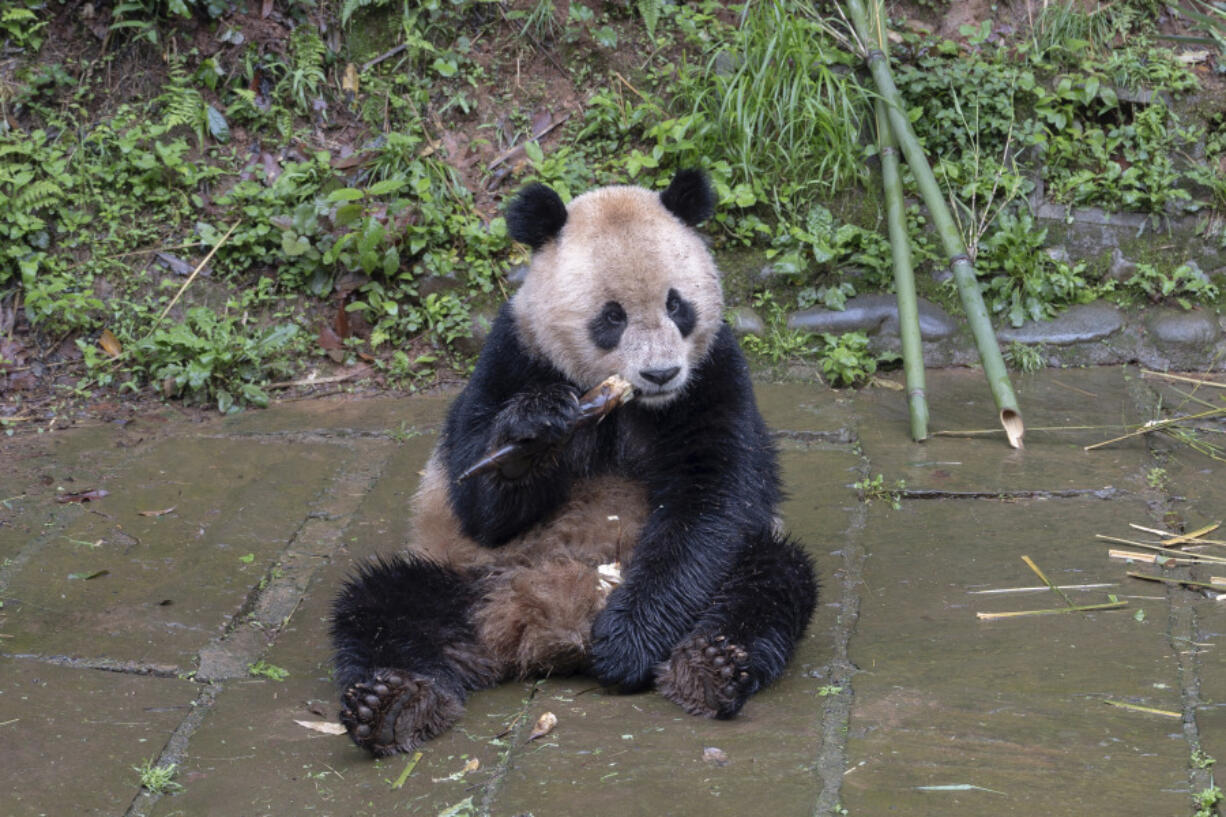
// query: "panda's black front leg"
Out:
[665,590]
[506,500]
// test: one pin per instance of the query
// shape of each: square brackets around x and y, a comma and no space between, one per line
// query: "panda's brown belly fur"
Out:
[541,590]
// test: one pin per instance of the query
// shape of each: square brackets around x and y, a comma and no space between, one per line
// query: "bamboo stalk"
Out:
[1149,709]
[1213,384]
[1113,605]
[1152,558]
[196,272]
[1200,557]
[904,278]
[1030,564]
[872,36]
[1036,589]
[1156,425]
[1220,588]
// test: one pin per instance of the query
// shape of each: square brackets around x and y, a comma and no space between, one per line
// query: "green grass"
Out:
[157,779]
[781,106]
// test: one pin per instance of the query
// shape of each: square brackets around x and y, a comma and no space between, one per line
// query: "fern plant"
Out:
[306,77]
[650,10]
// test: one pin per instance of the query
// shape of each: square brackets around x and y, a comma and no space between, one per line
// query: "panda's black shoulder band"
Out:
[536,215]
[689,197]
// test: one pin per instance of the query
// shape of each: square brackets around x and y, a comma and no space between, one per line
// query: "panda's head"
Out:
[620,283]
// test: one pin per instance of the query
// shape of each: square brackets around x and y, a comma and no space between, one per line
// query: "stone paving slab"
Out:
[69,737]
[165,584]
[1014,707]
[897,685]
[629,755]
[959,400]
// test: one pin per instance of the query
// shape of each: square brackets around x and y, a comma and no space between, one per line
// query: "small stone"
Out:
[744,321]
[517,274]
[1121,268]
[1077,324]
[715,756]
[433,284]
[1059,254]
[1175,327]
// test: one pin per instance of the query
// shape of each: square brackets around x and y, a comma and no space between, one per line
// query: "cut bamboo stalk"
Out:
[1149,709]
[904,278]
[1218,588]
[1043,576]
[1151,558]
[1038,588]
[872,36]
[1085,608]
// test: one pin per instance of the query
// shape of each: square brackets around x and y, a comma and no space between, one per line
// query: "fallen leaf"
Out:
[87,576]
[162,512]
[544,725]
[82,496]
[327,727]
[329,339]
[110,344]
[472,765]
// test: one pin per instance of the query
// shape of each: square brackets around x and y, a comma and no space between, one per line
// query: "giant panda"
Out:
[680,485]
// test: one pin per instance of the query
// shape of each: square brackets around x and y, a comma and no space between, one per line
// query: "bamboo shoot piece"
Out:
[594,406]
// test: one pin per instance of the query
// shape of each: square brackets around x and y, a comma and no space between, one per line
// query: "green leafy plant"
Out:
[846,359]
[874,489]
[263,669]
[208,357]
[1020,279]
[1183,285]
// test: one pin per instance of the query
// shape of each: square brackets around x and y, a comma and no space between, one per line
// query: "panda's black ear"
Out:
[689,197]
[536,215]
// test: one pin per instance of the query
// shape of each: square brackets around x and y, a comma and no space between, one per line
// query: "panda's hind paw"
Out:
[396,711]
[707,675]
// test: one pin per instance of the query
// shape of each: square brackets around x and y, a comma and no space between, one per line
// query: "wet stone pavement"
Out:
[130,625]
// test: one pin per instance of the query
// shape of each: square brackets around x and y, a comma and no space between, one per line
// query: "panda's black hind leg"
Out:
[405,652]
[743,642]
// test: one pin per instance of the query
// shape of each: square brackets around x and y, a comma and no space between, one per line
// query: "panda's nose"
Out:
[659,376]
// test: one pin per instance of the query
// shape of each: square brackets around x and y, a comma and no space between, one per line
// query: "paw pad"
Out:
[393,712]
[708,675]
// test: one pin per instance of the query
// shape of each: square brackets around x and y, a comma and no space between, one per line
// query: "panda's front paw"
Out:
[535,423]
[620,657]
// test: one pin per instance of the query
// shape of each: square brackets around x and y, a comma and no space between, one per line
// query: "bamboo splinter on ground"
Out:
[874,42]
[904,278]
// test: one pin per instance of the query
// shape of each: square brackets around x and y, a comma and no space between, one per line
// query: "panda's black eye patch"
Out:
[606,329]
[681,312]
